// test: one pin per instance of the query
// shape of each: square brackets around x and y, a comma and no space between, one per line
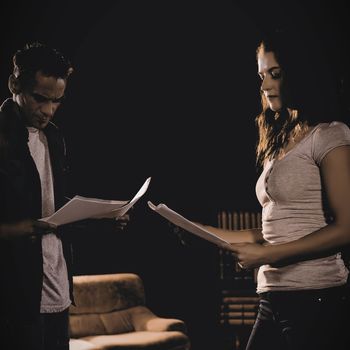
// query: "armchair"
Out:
[110,313]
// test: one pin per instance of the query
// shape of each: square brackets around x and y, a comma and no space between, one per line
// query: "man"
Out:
[35,260]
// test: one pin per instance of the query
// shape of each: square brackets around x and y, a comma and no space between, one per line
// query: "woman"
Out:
[304,190]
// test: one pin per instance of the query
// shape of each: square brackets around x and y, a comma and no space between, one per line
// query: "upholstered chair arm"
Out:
[144,319]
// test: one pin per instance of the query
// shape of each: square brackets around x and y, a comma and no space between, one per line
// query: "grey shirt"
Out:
[290,192]
[55,291]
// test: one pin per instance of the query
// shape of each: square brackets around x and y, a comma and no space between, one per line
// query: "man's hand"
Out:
[122,221]
[25,228]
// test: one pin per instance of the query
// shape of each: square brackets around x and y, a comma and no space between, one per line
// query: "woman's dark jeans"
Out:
[302,320]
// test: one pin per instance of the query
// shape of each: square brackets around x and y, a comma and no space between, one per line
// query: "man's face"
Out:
[40,102]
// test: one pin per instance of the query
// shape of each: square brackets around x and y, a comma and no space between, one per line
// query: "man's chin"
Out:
[40,125]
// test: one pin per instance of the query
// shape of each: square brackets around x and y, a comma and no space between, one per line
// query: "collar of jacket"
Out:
[13,124]
[17,120]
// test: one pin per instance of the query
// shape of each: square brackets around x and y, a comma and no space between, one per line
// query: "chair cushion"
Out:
[138,318]
[98,324]
[105,293]
[79,344]
[142,340]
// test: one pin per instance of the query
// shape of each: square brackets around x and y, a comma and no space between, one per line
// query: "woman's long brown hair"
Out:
[275,128]
[308,95]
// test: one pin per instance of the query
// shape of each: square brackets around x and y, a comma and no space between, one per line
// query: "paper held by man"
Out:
[188,225]
[80,208]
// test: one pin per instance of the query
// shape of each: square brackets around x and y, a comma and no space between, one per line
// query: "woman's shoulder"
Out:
[327,136]
[336,130]
[332,127]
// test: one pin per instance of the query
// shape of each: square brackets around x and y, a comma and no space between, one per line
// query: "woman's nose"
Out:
[265,84]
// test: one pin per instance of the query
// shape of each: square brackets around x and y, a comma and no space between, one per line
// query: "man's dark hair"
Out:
[34,57]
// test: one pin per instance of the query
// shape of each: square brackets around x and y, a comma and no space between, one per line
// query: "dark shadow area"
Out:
[166,89]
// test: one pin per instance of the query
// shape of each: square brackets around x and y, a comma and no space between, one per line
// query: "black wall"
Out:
[166,89]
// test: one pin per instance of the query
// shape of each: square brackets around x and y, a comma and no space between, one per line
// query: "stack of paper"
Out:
[188,225]
[80,208]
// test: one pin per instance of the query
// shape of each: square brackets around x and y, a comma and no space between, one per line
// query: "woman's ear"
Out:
[14,84]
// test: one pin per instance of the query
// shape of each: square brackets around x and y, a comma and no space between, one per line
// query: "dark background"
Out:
[166,89]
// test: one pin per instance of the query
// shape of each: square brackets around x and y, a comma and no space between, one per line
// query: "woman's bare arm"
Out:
[335,169]
[237,236]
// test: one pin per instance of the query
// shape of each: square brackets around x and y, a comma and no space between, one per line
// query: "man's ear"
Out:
[14,84]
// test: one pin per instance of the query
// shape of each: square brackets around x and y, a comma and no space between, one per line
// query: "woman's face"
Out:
[271,76]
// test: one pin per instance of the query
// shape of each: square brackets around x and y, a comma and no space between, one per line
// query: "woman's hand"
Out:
[183,236]
[252,255]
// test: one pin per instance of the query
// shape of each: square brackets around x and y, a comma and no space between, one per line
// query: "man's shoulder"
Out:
[8,115]
[5,121]
[3,118]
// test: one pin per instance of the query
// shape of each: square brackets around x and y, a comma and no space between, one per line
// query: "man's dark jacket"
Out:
[21,261]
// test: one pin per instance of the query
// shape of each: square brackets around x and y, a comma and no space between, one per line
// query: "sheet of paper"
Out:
[188,225]
[122,210]
[80,208]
